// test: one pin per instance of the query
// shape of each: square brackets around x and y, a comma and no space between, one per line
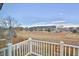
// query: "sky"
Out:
[33,14]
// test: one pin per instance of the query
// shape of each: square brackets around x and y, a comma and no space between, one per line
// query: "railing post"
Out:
[61,48]
[10,49]
[30,41]
[78,51]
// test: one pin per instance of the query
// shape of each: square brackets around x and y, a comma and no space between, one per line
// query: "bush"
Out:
[74,31]
[49,30]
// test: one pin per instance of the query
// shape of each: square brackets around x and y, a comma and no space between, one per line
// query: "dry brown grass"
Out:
[2,43]
[69,38]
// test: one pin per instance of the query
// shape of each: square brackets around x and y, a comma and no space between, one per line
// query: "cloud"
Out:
[47,23]
[62,21]
[71,25]
[39,24]
[56,23]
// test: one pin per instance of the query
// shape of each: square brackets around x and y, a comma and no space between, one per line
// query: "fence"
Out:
[40,48]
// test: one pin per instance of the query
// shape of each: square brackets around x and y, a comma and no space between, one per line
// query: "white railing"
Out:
[3,51]
[40,48]
[21,49]
[45,48]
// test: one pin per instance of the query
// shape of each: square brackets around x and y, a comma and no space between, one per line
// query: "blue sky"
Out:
[42,14]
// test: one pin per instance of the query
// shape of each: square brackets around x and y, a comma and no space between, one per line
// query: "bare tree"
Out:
[9,23]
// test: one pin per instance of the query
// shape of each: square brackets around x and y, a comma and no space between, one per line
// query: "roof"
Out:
[1,4]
